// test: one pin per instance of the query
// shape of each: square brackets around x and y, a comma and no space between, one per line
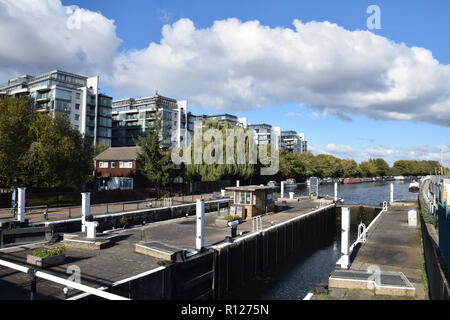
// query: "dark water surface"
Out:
[294,279]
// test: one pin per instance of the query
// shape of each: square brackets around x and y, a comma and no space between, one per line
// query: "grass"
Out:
[325,296]
[45,253]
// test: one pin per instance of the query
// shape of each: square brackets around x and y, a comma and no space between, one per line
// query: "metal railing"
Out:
[33,274]
[363,235]
[111,207]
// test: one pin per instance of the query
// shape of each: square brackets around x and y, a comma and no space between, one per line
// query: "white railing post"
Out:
[200,211]
[282,189]
[345,238]
[85,209]
[335,191]
[237,183]
[21,207]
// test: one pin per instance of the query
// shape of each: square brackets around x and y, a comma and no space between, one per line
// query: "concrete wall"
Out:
[110,221]
[243,260]
[192,279]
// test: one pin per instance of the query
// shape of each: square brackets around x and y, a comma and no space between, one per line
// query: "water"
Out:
[295,279]
[370,193]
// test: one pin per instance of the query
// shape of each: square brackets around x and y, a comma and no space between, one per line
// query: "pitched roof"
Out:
[119,153]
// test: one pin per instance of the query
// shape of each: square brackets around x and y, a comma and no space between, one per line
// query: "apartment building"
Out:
[131,117]
[60,92]
[221,118]
[293,142]
[263,133]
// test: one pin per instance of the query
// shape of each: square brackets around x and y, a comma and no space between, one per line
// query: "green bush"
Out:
[231,217]
[45,253]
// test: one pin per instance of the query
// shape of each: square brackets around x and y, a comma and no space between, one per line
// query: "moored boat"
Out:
[414,186]
[352,180]
[290,183]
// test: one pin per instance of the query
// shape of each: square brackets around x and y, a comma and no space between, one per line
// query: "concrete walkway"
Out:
[104,267]
[393,246]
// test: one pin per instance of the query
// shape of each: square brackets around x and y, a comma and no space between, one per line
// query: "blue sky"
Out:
[356,133]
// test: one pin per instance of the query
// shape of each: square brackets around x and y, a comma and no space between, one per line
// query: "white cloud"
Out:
[338,149]
[236,65]
[388,153]
[39,36]
[233,65]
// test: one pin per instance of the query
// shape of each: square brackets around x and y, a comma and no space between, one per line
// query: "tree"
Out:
[99,148]
[368,169]
[156,167]
[350,168]
[218,171]
[382,168]
[39,150]
[58,155]
[16,117]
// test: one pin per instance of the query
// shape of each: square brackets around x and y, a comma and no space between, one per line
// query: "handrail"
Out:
[65,282]
[146,273]
[364,233]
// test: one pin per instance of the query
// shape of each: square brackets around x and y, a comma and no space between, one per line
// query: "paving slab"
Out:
[392,246]
[101,268]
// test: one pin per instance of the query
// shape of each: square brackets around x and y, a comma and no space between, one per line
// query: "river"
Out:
[294,279]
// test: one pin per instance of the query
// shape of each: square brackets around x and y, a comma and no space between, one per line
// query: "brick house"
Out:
[115,168]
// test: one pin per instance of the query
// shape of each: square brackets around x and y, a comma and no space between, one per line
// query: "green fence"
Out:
[444,231]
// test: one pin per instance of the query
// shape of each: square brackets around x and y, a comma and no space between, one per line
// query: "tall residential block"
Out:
[131,118]
[59,92]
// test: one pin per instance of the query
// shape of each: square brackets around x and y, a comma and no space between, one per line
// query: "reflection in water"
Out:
[295,278]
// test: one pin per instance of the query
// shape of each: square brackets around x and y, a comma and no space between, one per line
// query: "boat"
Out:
[290,183]
[352,180]
[414,186]
[272,184]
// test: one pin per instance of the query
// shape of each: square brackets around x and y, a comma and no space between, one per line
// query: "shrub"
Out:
[231,217]
[45,253]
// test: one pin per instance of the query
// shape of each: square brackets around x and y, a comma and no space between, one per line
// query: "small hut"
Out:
[252,201]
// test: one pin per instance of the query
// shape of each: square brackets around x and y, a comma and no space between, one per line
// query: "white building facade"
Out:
[131,118]
[78,97]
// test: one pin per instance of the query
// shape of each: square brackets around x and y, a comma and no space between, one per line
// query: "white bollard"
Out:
[21,207]
[237,183]
[335,192]
[291,195]
[345,238]
[222,192]
[200,210]
[282,189]
[85,209]
[91,229]
[412,218]
[392,194]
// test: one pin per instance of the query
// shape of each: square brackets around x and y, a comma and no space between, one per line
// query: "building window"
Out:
[113,164]
[103,164]
[125,164]
[126,184]
[76,127]
[248,198]
[77,117]
[77,106]
[78,96]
